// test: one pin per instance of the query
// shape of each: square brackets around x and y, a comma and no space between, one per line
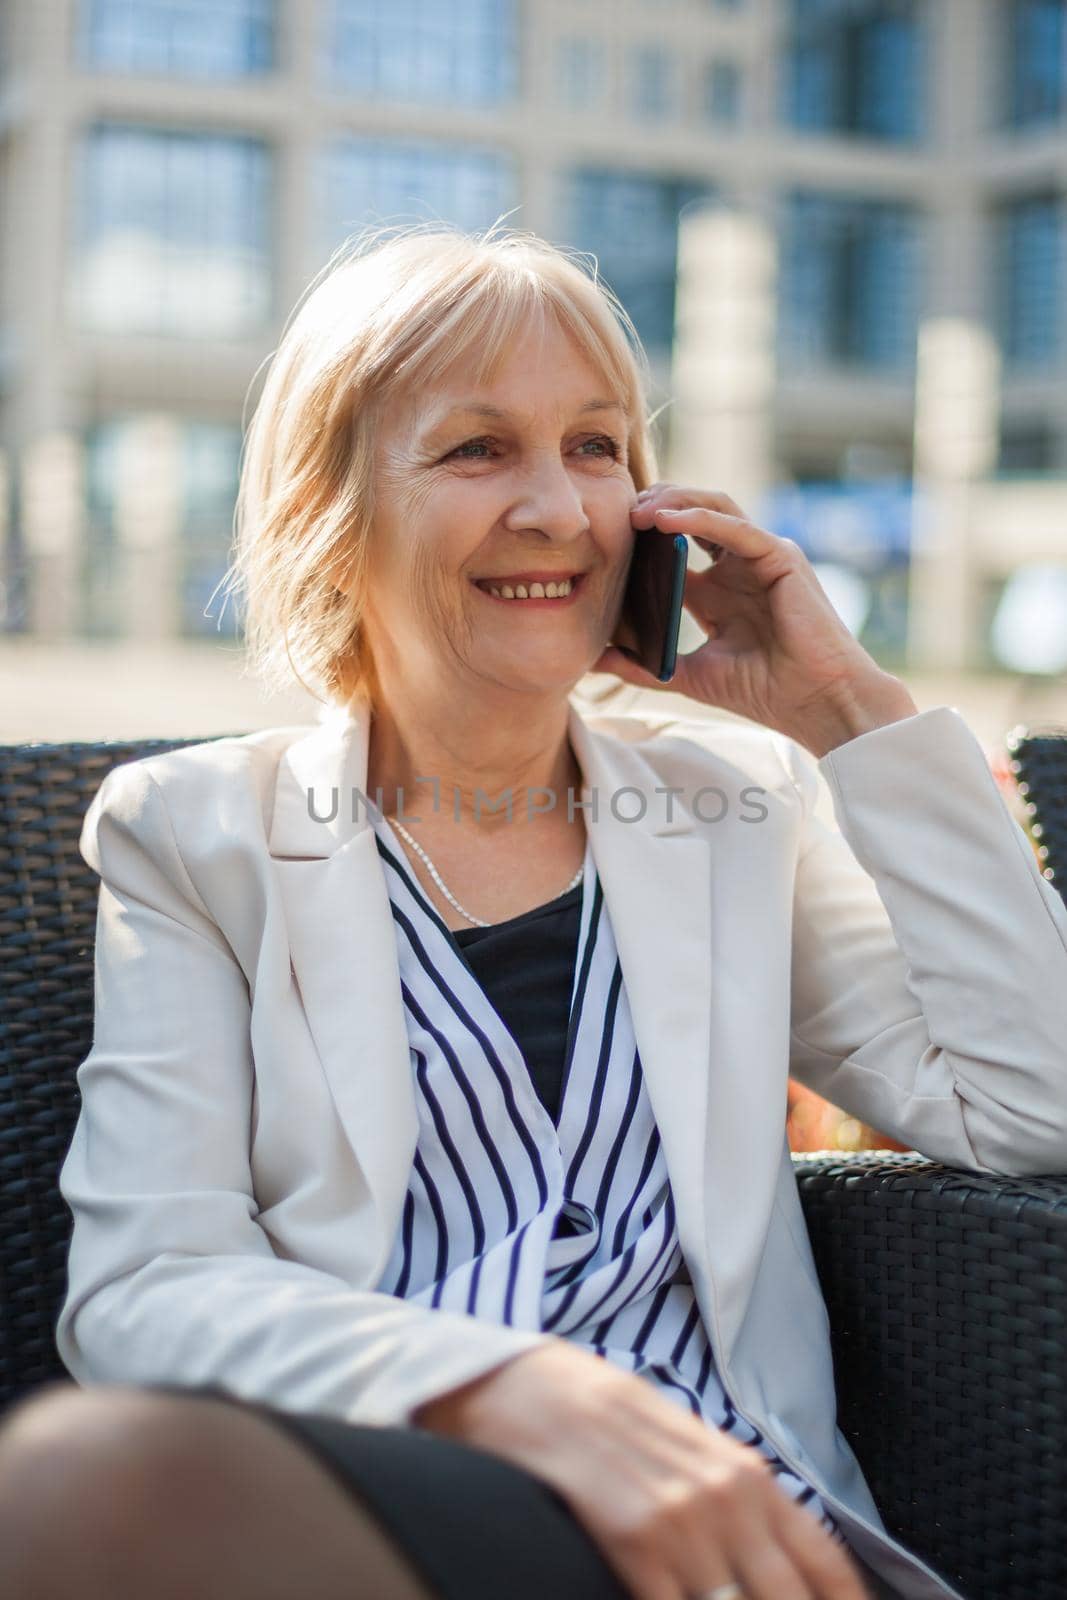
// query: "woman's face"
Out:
[538,489]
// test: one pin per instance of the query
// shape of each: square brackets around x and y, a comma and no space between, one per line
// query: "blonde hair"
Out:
[395,309]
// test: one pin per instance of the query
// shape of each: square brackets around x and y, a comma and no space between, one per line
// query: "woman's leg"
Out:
[112,1492]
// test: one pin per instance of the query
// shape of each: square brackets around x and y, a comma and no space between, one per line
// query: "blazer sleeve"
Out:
[170,1277]
[929,965]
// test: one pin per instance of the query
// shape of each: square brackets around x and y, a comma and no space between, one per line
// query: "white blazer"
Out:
[248,1120]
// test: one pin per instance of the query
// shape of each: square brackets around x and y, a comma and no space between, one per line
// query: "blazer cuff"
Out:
[937,739]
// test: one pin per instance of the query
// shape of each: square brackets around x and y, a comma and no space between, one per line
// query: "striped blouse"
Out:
[532,1207]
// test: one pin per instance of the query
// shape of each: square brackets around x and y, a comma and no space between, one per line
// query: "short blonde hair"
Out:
[393,311]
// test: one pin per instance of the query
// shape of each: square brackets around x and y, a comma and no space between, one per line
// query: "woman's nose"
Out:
[552,502]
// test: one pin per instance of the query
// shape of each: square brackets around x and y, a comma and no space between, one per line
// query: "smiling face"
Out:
[534,488]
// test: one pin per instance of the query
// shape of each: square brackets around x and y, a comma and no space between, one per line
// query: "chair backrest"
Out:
[1039,763]
[48,898]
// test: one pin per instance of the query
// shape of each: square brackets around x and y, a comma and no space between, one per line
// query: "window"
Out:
[1026,448]
[1036,46]
[850,281]
[1029,264]
[855,67]
[630,223]
[182,38]
[172,233]
[580,75]
[390,180]
[208,455]
[651,90]
[462,52]
[721,97]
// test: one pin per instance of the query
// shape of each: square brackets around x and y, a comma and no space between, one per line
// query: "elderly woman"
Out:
[435,1231]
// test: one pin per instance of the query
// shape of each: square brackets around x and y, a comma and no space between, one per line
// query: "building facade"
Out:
[173,173]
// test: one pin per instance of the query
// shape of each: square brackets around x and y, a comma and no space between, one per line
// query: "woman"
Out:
[431,1155]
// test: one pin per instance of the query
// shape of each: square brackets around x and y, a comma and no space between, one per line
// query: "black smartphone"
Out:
[651,614]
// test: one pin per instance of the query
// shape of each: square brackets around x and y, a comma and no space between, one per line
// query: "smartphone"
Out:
[651,614]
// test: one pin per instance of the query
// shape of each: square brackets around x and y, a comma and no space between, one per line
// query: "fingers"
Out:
[672,494]
[825,1563]
[719,529]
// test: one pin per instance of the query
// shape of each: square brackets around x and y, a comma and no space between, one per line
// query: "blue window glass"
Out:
[1031,274]
[855,67]
[394,180]
[721,101]
[429,51]
[182,38]
[172,235]
[629,221]
[850,282]
[581,73]
[652,92]
[1037,40]
[208,460]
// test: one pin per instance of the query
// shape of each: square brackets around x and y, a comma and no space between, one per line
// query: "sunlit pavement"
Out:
[107,690]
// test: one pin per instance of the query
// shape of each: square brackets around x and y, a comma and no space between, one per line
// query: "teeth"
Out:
[536,591]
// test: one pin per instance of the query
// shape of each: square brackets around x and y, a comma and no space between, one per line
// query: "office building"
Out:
[174,172]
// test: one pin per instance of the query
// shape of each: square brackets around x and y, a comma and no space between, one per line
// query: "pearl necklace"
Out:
[449,896]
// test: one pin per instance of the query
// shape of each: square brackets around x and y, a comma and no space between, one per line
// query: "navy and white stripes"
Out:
[569,1229]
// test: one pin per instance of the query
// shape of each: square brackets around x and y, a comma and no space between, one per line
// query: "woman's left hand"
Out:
[777,652]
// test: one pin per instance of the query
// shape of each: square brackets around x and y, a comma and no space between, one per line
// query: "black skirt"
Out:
[473,1525]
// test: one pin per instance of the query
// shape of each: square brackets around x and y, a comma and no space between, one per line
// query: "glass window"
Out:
[1026,447]
[172,235]
[721,98]
[209,460]
[629,221]
[1037,42]
[855,66]
[1030,280]
[431,51]
[850,281]
[581,74]
[394,180]
[183,38]
[651,89]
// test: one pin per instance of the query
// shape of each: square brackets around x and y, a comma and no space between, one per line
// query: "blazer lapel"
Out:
[339,925]
[657,880]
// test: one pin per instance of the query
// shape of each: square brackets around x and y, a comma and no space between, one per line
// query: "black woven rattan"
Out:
[47,924]
[946,1290]
[1039,762]
[947,1295]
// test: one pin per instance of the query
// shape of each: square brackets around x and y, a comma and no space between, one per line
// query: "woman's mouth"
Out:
[537,592]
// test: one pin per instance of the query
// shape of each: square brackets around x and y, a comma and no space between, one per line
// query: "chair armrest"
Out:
[947,1296]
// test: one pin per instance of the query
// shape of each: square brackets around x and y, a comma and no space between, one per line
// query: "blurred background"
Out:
[840,227]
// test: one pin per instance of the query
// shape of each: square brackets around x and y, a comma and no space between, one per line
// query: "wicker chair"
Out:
[946,1290]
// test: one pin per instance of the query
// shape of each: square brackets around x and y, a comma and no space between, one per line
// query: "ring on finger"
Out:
[723,1591]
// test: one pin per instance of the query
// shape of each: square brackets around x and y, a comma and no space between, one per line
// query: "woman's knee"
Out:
[114,1467]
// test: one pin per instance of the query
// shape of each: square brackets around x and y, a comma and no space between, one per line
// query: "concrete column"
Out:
[46,451]
[724,366]
[148,517]
[297,252]
[52,484]
[956,428]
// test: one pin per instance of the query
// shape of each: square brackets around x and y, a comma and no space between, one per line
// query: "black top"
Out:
[526,968]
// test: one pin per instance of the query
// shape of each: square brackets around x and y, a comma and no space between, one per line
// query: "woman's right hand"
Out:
[676,1507]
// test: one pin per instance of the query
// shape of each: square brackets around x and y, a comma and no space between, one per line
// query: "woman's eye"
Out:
[612,444]
[469,445]
[613,448]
